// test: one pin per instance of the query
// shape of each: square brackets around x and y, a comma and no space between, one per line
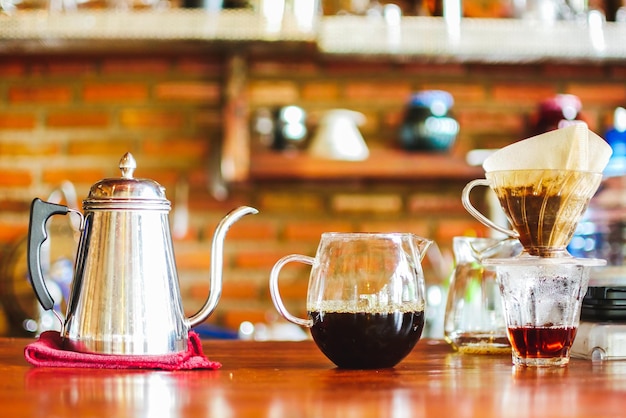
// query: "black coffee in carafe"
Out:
[345,336]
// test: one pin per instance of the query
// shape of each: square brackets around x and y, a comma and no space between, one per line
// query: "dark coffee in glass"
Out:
[367,340]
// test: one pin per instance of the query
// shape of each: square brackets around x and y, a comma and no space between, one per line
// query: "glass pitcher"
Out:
[365,301]
[474,321]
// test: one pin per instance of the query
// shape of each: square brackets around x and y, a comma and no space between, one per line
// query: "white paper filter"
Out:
[574,147]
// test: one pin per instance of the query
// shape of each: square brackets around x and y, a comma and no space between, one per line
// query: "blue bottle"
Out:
[616,137]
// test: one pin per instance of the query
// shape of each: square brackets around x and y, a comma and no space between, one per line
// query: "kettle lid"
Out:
[126,192]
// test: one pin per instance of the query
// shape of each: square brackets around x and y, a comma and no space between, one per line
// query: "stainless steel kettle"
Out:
[125,296]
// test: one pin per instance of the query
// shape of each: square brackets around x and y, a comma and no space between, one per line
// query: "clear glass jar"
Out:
[474,321]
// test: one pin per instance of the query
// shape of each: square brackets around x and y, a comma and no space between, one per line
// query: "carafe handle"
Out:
[275,293]
[467,204]
[40,211]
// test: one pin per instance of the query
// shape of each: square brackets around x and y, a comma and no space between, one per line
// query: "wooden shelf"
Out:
[394,165]
[413,38]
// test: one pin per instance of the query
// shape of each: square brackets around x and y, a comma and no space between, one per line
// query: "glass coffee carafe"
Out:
[365,300]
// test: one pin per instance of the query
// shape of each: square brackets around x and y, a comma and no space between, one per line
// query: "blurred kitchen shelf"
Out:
[35,31]
[483,40]
[382,164]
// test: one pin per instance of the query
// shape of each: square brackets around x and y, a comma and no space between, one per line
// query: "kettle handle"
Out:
[40,211]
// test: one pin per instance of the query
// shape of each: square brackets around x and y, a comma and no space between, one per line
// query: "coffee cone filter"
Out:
[574,147]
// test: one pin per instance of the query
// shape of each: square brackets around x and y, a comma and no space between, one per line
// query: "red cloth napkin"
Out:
[48,351]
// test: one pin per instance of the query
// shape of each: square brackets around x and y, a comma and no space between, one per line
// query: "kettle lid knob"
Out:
[126,192]
[128,165]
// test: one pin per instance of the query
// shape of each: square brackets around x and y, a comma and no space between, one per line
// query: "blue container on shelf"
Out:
[616,137]
[428,124]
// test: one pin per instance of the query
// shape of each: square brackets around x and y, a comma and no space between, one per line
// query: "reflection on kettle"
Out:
[125,297]
[338,136]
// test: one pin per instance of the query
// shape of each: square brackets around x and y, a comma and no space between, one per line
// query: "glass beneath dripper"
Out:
[542,300]
[543,206]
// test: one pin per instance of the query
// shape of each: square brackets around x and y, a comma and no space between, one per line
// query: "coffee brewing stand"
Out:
[601,334]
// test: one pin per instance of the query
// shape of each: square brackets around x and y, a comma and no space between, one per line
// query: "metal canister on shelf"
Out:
[281,128]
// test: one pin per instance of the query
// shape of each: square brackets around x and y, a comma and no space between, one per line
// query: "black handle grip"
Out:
[40,211]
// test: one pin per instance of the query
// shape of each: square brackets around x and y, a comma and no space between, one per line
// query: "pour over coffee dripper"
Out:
[543,206]
[544,185]
[542,288]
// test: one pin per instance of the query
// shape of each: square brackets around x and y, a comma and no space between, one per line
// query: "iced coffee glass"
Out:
[542,206]
[542,299]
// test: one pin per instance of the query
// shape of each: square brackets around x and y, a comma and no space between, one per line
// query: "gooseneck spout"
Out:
[217,263]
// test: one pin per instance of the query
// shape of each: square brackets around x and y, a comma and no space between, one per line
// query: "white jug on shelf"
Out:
[338,136]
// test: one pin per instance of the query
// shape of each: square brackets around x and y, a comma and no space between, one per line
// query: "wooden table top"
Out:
[293,379]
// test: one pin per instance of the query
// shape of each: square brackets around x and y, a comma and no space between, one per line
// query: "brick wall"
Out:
[72,118]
